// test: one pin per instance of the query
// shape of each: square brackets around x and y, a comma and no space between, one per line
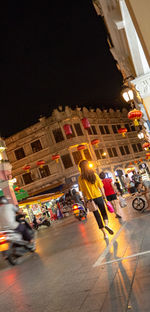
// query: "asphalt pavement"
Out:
[75,270]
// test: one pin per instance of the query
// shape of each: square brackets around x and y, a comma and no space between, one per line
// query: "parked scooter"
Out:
[12,245]
[43,221]
[79,212]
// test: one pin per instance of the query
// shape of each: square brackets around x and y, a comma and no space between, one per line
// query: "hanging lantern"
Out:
[17,189]
[40,163]
[56,157]
[85,123]
[95,142]
[141,160]
[135,115]
[67,129]
[135,161]
[80,147]
[147,155]
[146,146]
[130,164]
[27,168]
[122,131]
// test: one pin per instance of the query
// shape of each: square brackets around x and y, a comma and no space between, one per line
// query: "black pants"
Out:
[25,231]
[103,214]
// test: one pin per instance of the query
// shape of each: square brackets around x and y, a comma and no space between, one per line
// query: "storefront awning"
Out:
[41,198]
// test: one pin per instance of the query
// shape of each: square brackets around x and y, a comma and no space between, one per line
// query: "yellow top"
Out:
[89,190]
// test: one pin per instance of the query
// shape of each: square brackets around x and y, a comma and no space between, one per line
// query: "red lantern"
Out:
[122,131]
[67,129]
[95,142]
[146,146]
[135,161]
[27,168]
[40,163]
[130,164]
[85,123]
[141,159]
[56,157]
[135,115]
[80,147]
[147,155]
[17,188]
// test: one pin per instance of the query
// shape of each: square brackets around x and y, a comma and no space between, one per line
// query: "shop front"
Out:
[40,206]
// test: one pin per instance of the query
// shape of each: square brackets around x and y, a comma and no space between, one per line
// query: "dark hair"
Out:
[3,200]
[126,175]
[86,172]
[102,175]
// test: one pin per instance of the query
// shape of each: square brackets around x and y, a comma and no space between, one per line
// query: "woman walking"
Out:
[92,188]
[109,191]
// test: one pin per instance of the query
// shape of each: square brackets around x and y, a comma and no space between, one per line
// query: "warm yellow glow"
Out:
[1,156]
[128,95]
[104,154]
[90,165]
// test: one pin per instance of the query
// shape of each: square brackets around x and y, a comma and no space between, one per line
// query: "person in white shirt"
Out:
[8,219]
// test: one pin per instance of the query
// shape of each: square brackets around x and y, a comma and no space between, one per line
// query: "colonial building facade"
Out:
[47,140]
[127,23]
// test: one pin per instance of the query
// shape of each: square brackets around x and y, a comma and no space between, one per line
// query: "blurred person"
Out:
[91,187]
[10,220]
[136,179]
[76,197]
[127,182]
[110,191]
[118,186]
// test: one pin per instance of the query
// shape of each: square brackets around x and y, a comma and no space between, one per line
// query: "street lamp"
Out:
[140,135]
[127,94]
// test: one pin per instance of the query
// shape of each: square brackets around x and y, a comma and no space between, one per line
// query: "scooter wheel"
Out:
[138,204]
[12,259]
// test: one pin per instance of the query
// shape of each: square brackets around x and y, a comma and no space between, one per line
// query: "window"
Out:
[36,146]
[89,131]
[101,128]
[78,129]
[115,128]
[77,156]
[112,152]
[58,135]
[45,172]
[137,147]
[27,178]
[102,153]
[97,153]
[67,162]
[124,150]
[94,129]
[71,135]
[133,128]
[19,153]
[109,152]
[106,130]
[128,127]
[87,154]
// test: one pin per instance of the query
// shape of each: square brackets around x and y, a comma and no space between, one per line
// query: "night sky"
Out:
[53,56]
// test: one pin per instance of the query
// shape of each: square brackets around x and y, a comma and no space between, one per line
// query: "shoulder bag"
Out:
[91,205]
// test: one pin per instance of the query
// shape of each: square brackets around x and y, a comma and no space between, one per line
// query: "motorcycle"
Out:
[44,221]
[12,246]
[79,212]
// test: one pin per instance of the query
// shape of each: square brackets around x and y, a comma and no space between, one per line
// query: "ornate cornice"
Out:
[142,84]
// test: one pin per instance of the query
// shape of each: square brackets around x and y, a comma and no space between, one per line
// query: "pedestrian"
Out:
[127,182]
[110,191]
[91,187]
[136,179]
[118,186]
